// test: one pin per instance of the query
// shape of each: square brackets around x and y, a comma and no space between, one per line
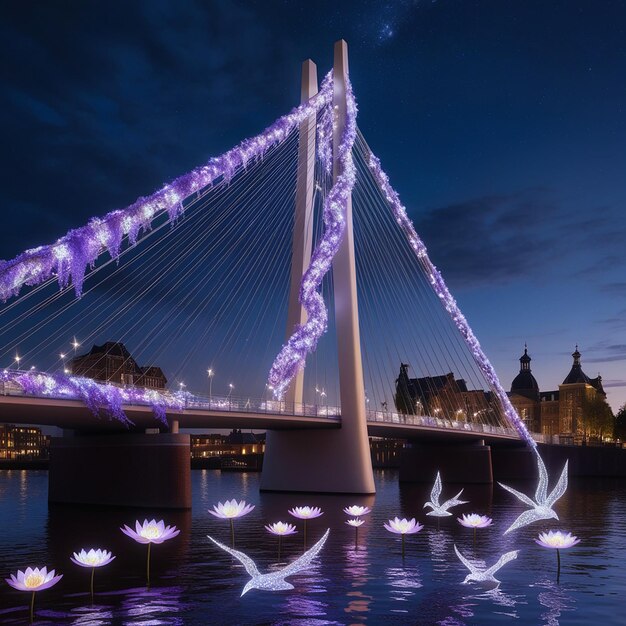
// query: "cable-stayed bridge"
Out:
[297,228]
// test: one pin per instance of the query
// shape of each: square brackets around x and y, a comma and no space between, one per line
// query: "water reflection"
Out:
[556,599]
[154,606]
[356,573]
[92,615]
[404,581]
[440,546]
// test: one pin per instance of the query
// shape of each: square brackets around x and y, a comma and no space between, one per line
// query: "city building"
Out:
[234,444]
[440,396]
[112,363]
[19,443]
[566,412]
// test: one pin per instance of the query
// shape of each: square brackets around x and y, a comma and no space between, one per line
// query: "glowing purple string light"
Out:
[69,256]
[98,397]
[304,339]
[441,289]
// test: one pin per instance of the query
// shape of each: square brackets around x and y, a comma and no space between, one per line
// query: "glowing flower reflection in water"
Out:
[556,600]
[439,544]
[306,513]
[231,510]
[149,533]
[92,558]
[403,527]
[404,581]
[33,580]
[557,540]
[281,529]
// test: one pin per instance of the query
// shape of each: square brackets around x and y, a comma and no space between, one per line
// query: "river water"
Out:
[193,582]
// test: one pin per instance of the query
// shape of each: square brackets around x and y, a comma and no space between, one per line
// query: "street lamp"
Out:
[17,360]
[75,345]
[230,393]
[210,373]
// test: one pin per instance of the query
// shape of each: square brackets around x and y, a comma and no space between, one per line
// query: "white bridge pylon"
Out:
[337,461]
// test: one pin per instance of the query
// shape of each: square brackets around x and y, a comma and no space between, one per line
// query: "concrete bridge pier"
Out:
[457,462]
[122,469]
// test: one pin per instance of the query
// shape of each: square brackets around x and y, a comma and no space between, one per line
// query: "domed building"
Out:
[558,412]
[524,395]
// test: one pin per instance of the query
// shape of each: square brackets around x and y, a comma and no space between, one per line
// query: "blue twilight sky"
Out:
[501,123]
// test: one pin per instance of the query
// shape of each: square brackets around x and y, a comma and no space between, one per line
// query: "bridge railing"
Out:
[429,421]
[240,404]
[184,400]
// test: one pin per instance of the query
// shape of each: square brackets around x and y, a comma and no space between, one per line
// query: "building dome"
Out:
[524,384]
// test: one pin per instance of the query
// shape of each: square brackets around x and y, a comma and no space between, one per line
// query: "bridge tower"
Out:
[333,461]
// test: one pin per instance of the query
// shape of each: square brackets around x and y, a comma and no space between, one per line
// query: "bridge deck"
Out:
[218,413]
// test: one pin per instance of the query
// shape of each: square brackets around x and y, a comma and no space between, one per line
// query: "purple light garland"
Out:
[441,289]
[304,339]
[98,397]
[69,256]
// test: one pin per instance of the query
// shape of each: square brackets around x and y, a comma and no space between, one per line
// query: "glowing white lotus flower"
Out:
[473,520]
[93,558]
[33,580]
[355,522]
[356,511]
[231,509]
[281,529]
[149,533]
[403,527]
[557,540]
[306,512]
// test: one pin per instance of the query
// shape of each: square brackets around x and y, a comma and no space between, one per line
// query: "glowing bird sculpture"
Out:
[441,510]
[541,506]
[481,575]
[276,580]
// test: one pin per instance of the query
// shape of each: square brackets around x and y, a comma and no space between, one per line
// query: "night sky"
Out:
[502,125]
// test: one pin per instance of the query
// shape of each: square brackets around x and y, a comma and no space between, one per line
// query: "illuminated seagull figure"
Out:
[276,580]
[483,575]
[441,510]
[543,503]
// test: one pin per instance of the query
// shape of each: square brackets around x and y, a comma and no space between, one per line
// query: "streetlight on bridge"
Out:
[230,393]
[210,373]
